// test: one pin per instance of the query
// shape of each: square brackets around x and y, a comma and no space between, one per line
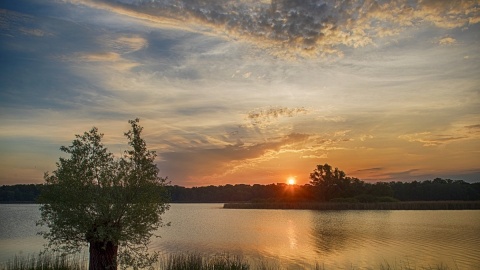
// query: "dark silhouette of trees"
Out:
[435,190]
[239,193]
[329,182]
[326,184]
[357,190]
[111,204]
[333,183]
[19,193]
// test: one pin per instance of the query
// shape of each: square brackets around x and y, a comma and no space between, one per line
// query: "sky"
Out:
[245,91]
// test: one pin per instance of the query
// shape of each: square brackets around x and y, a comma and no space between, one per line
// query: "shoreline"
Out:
[411,205]
[406,205]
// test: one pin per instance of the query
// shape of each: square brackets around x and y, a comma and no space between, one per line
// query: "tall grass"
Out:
[406,266]
[171,262]
[46,261]
[198,262]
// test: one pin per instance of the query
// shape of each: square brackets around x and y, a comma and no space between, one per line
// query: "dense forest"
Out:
[350,191]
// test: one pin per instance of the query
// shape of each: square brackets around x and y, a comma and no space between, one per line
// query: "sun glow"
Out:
[291,181]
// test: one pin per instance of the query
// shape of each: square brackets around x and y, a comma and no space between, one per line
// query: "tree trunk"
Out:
[103,255]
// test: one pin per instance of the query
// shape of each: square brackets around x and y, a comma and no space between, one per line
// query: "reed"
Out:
[172,262]
[407,266]
[45,261]
[198,262]
[54,261]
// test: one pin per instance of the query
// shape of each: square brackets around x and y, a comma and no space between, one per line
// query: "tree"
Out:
[331,183]
[113,205]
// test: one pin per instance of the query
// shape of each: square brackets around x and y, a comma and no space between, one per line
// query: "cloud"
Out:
[316,157]
[190,165]
[407,174]
[115,50]
[33,32]
[376,169]
[473,127]
[447,41]
[110,60]
[448,14]
[365,137]
[124,43]
[98,57]
[428,139]
[12,22]
[265,116]
[473,130]
[293,27]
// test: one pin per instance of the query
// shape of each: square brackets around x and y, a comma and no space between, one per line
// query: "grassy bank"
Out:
[423,205]
[171,262]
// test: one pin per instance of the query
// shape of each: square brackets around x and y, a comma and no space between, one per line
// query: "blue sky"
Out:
[245,91]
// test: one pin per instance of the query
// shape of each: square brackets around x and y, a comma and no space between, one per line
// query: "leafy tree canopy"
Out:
[111,204]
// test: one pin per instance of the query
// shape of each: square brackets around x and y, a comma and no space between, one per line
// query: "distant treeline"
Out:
[19,193]
[356,191]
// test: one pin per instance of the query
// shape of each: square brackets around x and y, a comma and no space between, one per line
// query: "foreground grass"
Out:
[197,262]
[45,262]
[171,262]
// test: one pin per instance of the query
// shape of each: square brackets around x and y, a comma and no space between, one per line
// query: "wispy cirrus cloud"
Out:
[14,22]
[376,169]
[473,127]
[401,174]
[429,139]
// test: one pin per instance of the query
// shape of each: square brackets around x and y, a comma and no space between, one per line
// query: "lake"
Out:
[294,239]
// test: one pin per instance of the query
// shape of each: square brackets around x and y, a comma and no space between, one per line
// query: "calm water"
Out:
[294,239]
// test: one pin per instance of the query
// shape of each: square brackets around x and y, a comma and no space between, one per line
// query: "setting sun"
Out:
[291,181]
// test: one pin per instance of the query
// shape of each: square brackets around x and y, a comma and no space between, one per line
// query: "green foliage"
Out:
[333,183]
[93,197]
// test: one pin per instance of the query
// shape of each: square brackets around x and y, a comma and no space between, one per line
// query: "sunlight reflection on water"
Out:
[294,239]
[335,239]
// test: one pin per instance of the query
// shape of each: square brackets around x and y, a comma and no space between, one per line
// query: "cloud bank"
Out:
[302,27]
